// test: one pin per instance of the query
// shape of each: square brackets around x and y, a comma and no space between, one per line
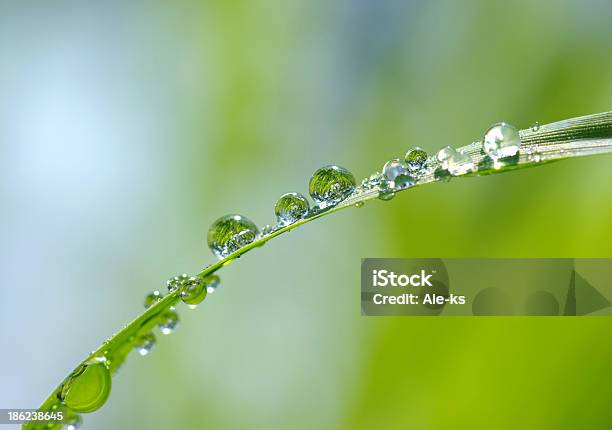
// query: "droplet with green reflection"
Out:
[88,387]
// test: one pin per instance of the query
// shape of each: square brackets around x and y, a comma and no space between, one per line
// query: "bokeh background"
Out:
[127,128]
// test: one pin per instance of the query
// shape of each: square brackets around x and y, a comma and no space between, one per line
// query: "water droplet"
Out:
[213,282]
[230,233]
[145,343]
[168,321]
[460,164]
[386,195]
[152,298]
[359,204]
[290,208]
[73,423]
[266,229]
[175,282]
[396,173]
[330,185]
[416,159]
[444,154]
[88,387]
[193,291]
[535,127]
[501,140]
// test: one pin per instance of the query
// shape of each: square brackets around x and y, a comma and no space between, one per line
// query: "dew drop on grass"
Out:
[175,282]
[396,173]
[291,207]
[145,343]
[535,127]
[460,164]
[193,291]
[444,155]
[88,387]
[213,282]
[501,140]
[152,298]
[330,185]
[168,321]
[359,204]
[415,159]
[230,233]
[73,423]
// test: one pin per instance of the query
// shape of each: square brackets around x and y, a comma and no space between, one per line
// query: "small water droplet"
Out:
[501,140]
[145,343]
[396,173]
[175,282]
[230,233]
[359,204]
[73,423]
[168,321]
[535,127]
[444,154]
[152,298]
[330,185]
[416,159]
[88,387]
[213,282]
[460,163]
[386,195]
[291,207]
[193,291]
[266,230]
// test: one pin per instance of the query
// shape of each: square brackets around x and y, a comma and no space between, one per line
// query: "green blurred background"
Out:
[127,128]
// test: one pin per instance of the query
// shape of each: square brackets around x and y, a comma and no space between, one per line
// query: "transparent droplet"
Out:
[416,159]
[386,195]
[213,282]
[152,298]
[73,423]
[444,155]
[168,321]
[145,343]
[330,185]
[88,387]
[193,291]
[501,140]
[396,173]
[460,164]
[535,127]
[359,204]
[291,207]
[175,282]
[230,233]
[266,229]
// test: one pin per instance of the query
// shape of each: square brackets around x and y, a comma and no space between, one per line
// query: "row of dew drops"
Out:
[88,387]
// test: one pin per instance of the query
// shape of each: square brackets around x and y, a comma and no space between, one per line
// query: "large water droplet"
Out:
[416,159]
[460,164]
[230,233]
[330,185]
[501,140]
[291,207]
[145,343]
[88,387]
[193,291]
[168,321]
[152,298]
